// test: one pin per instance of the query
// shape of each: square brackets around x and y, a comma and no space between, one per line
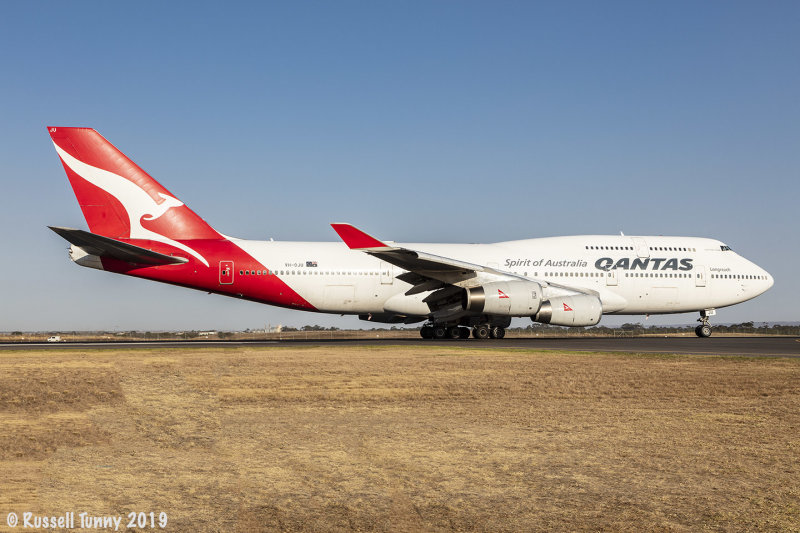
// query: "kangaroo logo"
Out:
[137,203]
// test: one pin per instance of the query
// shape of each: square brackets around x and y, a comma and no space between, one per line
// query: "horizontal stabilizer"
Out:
[108,247]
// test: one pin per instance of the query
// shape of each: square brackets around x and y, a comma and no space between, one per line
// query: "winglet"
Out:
[356,239]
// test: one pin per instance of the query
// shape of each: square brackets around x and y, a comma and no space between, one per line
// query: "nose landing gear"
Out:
[704,329]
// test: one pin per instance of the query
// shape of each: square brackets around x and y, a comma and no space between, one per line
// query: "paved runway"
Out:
[729,346]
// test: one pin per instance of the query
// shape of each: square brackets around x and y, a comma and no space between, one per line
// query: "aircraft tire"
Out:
[463,333]
[454,332]
[439,332]
[480,332]
[426,332]
[497,332]
[703,331]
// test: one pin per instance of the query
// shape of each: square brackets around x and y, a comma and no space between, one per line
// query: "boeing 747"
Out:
[138,228]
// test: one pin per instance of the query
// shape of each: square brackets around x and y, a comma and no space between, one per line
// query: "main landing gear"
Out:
[704,329]
[443,332]
[482,331]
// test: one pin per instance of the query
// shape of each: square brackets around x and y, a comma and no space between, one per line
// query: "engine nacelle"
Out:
[577,310]
[507,298]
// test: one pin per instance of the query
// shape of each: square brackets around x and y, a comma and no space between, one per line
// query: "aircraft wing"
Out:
[424,269]
[108,247]
[429,271]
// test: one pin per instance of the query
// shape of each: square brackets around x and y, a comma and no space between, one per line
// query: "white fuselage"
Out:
[631,275]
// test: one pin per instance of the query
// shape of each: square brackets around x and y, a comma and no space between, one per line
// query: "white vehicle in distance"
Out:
[55,338]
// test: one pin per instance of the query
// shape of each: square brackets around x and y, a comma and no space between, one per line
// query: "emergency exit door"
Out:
[225,272]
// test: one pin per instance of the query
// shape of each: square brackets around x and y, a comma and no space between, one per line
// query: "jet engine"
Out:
[506,298]
[576,310]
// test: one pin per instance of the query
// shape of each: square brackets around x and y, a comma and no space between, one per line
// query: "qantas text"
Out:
[648,263]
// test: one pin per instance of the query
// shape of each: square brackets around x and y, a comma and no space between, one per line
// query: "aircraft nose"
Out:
[767,283]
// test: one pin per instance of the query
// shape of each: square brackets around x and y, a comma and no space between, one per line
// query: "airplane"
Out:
[138,228]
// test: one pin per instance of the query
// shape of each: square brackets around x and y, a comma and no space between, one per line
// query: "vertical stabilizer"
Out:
[119,199]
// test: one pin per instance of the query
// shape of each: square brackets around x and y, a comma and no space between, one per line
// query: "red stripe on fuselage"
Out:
[268,289]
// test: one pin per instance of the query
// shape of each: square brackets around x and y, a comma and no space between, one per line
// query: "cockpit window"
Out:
[725,248]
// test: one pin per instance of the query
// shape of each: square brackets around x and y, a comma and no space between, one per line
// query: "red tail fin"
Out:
[119,199]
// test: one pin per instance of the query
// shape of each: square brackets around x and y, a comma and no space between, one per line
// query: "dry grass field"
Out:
[402,439]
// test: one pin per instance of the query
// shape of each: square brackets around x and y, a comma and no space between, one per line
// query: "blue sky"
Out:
[419,121]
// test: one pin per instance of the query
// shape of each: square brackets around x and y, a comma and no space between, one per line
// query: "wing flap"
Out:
[108,247]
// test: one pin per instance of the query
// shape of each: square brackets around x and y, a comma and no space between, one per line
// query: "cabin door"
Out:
[641,247]
[225,272]
[387,273]
[700,276]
